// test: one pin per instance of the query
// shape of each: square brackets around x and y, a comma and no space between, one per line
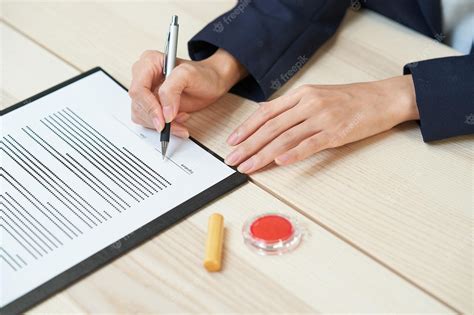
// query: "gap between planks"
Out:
[267,190]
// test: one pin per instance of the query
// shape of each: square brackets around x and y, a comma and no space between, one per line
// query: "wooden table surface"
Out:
[390,218]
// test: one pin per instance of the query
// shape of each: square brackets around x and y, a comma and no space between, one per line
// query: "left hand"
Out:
[312,118]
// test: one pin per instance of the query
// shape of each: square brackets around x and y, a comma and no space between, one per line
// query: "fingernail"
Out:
[246,166]
[282,159]
[232,158]
[157,124]
[168,113]
[182,117]
[234,137]
[181,133]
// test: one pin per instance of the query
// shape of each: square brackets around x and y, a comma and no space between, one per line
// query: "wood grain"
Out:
[166,275]
[405,203]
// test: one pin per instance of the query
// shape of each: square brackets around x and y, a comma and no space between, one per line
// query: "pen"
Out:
[170,62]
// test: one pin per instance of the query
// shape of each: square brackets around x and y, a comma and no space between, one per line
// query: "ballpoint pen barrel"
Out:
[172,47]
[170,62]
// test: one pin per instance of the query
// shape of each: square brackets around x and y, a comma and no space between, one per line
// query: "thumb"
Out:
[171,90]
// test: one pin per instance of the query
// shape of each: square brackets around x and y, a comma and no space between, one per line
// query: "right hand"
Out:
[191,86]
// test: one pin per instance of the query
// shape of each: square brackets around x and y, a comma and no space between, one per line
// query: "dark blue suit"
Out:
[274,38]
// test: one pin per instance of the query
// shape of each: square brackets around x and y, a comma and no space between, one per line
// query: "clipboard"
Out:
[130,241]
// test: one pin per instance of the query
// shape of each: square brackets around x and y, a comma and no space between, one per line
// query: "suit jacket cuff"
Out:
[204,44]
[271,39]
[444,96]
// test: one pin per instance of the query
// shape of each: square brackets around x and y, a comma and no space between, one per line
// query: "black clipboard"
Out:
[128,242]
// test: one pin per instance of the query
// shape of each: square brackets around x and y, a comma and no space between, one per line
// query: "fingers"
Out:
[146,72]
[306,148]
[141,118]
[269,131]
[179,130]
[172,88]
[182,117]
[177,127]
[264,113]
[147,103]
[284,142]
[143,121]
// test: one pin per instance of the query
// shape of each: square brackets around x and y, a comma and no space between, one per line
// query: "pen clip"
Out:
[166,54]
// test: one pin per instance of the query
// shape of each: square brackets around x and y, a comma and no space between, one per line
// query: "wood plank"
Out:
[416,223]
[166,274]
[24,73]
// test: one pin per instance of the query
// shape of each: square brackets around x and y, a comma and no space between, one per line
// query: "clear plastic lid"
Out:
[272,234]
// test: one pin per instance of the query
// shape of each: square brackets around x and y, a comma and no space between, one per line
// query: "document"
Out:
[78,175]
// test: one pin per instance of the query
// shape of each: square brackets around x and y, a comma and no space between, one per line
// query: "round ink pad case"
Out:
[272,234]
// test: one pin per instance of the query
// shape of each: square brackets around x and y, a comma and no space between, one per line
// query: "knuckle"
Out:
[305,88]
[138,108]
[134,92]
[265,110]
[333,141]
[147,54]
[187,69]
[298,155]
[318,92]
[150,110]
[326,116]
[147,63]
[289,137]
[306,107]
[313,143]
[135,66]
[248,146]
[271,126]
[257,158]
[260,159]
[135,118]
[314,99]
[163,92]
[298,152]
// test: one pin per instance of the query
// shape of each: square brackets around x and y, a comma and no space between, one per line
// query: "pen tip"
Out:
[164,147]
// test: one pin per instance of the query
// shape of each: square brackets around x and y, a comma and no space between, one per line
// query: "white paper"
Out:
[43,235]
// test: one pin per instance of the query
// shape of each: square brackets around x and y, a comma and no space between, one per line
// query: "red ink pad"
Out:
[271,228]
[272,234]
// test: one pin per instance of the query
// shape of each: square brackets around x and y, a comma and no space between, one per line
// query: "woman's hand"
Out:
[191,86]
[312,118]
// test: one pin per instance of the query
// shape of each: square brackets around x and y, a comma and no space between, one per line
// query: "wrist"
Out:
[227,67]
[400,92]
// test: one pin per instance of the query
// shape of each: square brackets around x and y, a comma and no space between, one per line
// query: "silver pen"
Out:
[170,62]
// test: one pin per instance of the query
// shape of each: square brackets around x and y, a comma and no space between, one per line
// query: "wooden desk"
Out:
[366,194]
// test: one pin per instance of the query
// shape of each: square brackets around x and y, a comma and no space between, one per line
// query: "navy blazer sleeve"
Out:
[271,39]
[274,39]
[444,90]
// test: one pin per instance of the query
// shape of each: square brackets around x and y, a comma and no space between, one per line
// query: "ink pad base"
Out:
[272,234]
